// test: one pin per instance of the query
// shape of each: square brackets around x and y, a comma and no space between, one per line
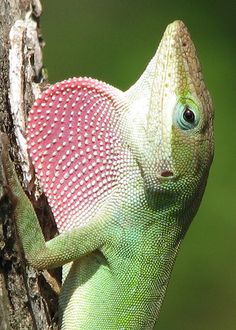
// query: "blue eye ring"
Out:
[187,116]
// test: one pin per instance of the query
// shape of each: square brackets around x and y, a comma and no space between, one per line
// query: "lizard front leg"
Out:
[59,250]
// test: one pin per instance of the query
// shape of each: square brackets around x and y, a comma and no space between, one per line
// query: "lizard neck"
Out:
[149,229]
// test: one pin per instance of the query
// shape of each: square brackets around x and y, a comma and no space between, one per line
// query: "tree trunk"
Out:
[28,299]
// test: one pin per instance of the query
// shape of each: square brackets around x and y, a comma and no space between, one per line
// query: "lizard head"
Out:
[171,115]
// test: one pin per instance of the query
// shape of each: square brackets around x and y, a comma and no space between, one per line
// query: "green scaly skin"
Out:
[122,259]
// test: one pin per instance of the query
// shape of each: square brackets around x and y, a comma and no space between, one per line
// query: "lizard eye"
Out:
[187,117]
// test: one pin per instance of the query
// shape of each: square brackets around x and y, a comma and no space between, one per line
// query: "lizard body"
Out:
[124,173]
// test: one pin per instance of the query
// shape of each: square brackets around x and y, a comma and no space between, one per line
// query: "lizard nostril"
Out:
[167,174]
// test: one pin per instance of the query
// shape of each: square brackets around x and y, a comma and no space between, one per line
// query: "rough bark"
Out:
[28,299]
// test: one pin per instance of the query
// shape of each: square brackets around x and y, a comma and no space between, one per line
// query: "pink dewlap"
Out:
[74,145]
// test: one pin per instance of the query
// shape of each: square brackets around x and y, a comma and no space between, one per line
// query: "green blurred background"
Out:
[113,41]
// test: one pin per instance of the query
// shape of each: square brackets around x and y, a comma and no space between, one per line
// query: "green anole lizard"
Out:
[124,173]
